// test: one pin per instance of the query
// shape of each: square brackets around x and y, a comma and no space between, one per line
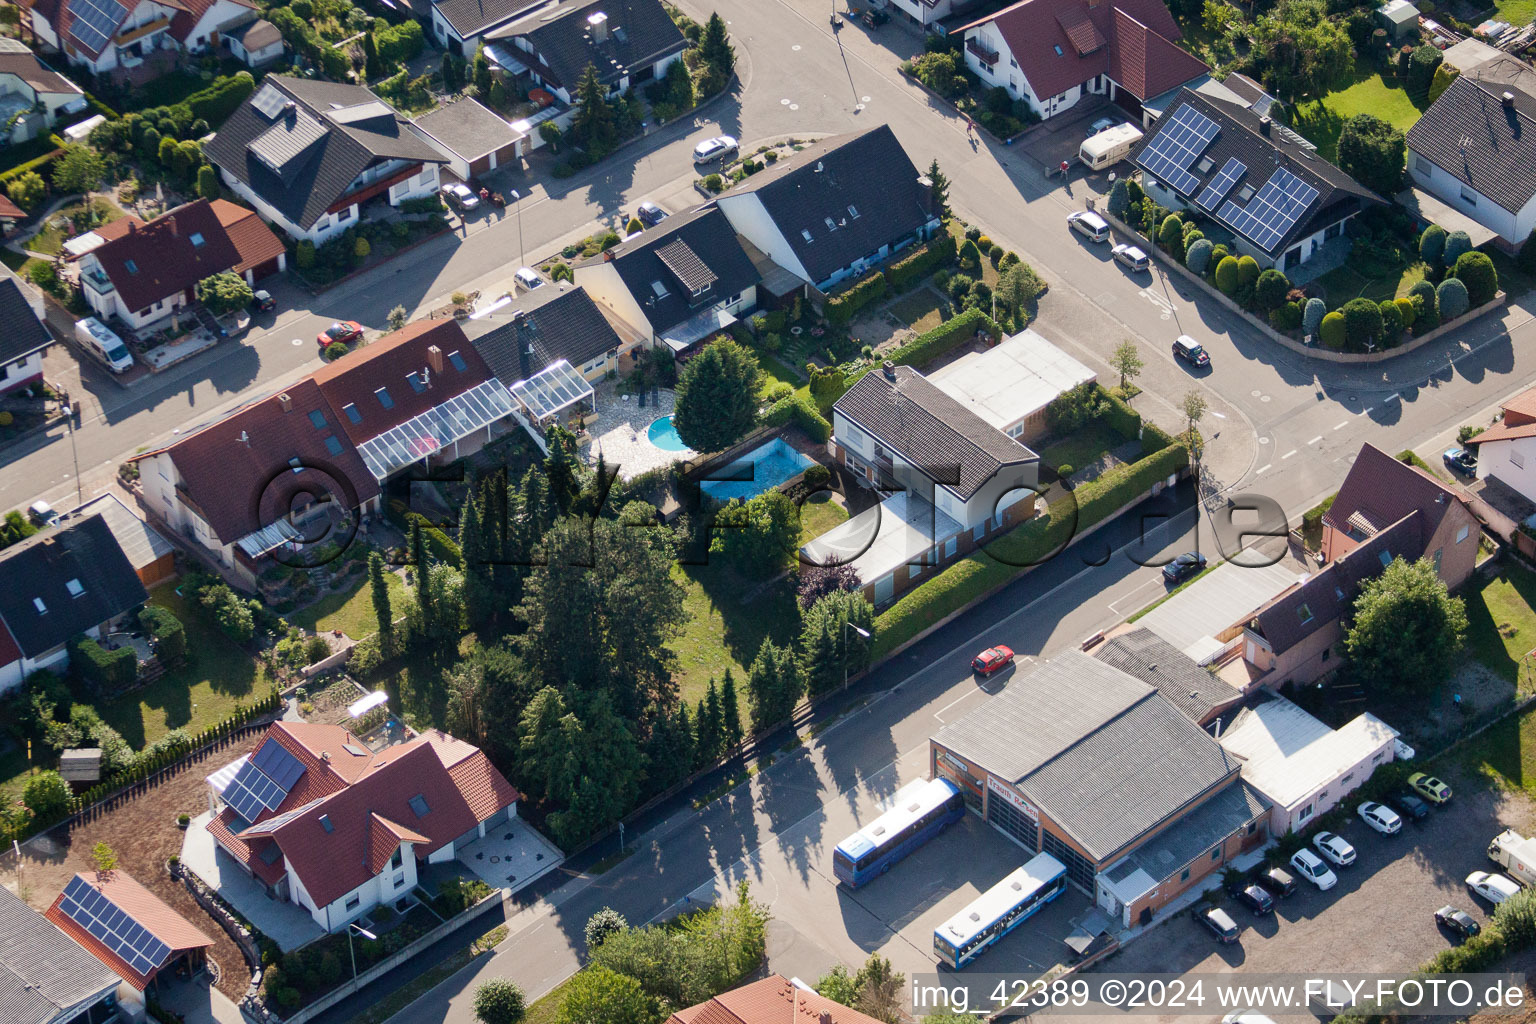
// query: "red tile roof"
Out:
[151,262]
[1379,490]
[191,13]
[1034,29]
[9,210]
[356,379]
[773,1000]
[1506,431]
[1520,409]
[253,240]
[145,908]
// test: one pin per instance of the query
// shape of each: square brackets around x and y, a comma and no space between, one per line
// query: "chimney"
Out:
[607,255]
[1509,99]
[284,402]
[597,25]
[1264,124]
[826,1017]
[435,358]
[889,369]
[325,755]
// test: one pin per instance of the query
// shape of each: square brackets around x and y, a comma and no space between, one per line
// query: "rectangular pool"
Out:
[761,469]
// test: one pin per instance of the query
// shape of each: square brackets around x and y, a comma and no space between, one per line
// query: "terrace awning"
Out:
[273,535]
[558,386]
[696,328]
[441,425]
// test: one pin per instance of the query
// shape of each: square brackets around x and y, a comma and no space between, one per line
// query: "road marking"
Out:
[1393,397]
[1341,426]
[939,714]
[1367,410]
[1289,454]
[1218,415]
[1262,468]
[1164,306]
[1114,605]
[1316,439]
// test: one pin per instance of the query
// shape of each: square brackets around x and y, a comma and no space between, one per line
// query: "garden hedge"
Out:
[39,164]
[932,344]
[439,545]
[1119,415]
[110,670]
[222,98]
[840,308]
[803,412]
[921,262]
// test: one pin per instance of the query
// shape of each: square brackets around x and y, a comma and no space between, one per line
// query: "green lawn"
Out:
[1083,447]
[1375,283]
[1322,120]
[818,515]
[775,370]
[923,310]
[1516,12]
[1501,623]
[197,694]
[50,239]
[350,611]
[723,633]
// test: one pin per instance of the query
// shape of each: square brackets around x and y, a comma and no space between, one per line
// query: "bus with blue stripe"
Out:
[999,910]
[920,811]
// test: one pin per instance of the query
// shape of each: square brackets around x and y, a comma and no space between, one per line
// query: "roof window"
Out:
[1386,558]
[75,588]
[419,805]
[1057,48]
[196,238]
[130,266]
[352,413]
[417,384]
[1245,193]
[805,234]
[296,465]
[42,609]
[831,224]
[853,211]
[1304,613]
[317,418]
[384,399]
[659,288]
[457,361]
[333,445]
[325,823]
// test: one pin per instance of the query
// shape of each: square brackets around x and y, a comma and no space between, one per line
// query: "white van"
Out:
[100,341]
[1109,146]
[1089,224]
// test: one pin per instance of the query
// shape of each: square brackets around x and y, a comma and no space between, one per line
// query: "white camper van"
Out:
[1108,147]
[100,341]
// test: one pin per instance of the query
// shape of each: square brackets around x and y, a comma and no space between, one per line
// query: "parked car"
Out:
[1461,460]
[1089,224]
[1429,787]
[1380,817]
[1311,867]
[649,214]
[528,278]
[992,660]
[1492,886]
[460,196]
[42,513]
[1190,350]
[262,301]
[712,149]
[1278,881]
[1131,256]
[344,331]
[1103,124]
[1334,847]
[1219,922]
[1458,921]
[1188,564]
[1410,806]
[1256,898]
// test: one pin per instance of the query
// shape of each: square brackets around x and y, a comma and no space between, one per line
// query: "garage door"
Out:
[1014,822]
[480,166]
[506,154]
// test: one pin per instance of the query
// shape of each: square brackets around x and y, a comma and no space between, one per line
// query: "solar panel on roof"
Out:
[108,924]
[1219,186]
[269,102]
[278,764]
[251,791]
[1176,146]
[1273,210]
[94,21]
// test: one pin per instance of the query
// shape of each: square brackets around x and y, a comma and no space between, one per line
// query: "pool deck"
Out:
[620,432]
[744,478]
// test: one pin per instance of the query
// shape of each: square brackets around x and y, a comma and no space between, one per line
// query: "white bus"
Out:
[999,910]
[920,811]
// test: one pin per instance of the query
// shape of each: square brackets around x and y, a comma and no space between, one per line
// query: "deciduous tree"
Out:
[224,293]
[498,1000]
[1407,629]
[1372,151]
[1305,51]
[1126,361]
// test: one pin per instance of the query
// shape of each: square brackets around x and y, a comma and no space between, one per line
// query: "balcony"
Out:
[988,57]
[98,282]
[131,35]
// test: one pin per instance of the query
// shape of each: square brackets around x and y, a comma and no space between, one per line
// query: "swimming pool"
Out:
[759,470]
[663,435]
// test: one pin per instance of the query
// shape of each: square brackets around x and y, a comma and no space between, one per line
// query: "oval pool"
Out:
[663,435]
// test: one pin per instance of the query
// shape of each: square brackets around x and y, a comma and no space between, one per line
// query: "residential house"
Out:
[151,555]
[67,580]
[1011,384]
[33,96]
[10,216]
[107,35]
[1506,451]
[1261,180]
[474,138]
[129,929]
[308,154]
[954,480]
[461,25]
[629,42]
[46,977]
[1077,759]
[1053,54]
[1301,766]
[679,283]
[771,1000]
[1474,150]
[337,829]
[1385,509]
[524,335]
[149,271]
[294,469]
[256,42]
[836,209]
[25,336]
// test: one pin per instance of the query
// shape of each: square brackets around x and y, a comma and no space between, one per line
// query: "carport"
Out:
[1427,209]
[1203,618]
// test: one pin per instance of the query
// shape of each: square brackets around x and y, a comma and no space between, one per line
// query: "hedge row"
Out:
[839,309]
[215,103]
[110,670]
[39,164]
[439,545]
[803,412]
[929,346]
[1026,544]
[920,262]
[1125,420]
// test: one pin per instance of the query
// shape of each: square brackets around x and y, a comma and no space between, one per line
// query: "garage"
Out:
[475,139]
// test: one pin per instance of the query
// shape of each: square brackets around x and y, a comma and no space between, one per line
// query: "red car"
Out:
[992,660]
[346,332]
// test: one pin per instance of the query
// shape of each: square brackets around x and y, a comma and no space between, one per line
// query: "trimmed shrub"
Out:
[167,630]
[1247,270]
[1451,299]
[1331,331]
[1407,312]
[1432,245]
[1362,322]
[1456,243]
[1426,306]
[1286,316]
[1391,323]
[1476,271]
[841,307]
[1199,256]
[1119,199]
[1270,290]
[1312,315]
[110,670]
[970,256]
[1227,275]
[920,262]
[803,412]
[1526,261]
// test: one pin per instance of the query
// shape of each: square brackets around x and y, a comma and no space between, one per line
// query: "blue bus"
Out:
[999,910]
[920,811]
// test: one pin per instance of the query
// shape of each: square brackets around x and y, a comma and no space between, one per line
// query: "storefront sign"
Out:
[1009,794]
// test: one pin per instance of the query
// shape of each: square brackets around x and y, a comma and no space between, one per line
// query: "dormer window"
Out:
[196,238]
[75,588]
[805,234]
[42,609]
[700,290]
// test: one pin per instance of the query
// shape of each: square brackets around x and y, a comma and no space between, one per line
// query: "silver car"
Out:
[711,149]
[1131,256]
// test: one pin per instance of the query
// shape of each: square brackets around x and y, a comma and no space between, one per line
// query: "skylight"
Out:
[325,823]
[196,238]
[1057,48]
[419,805]
[853,212]
[296,465]
[384,399]
[333,445]
[352,413]
[1386,558]
[659,288]
[42,609]
[1304,614]
[317,418]
[75,588]
[417,384]
[457,361]
[805,234]
[831,224]
[130,266]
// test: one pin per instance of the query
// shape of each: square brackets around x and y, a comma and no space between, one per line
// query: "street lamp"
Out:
[69,422]
[517,198]
[847,625]
[365,933]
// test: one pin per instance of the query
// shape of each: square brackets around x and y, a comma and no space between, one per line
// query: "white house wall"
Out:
[221,13]
[1008,74]
[749,219]
[21,370]
[1512,461]
[1305,812]
[1512,227]
[603,283]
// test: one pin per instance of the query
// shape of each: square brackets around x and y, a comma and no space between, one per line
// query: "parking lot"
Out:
[1380,916]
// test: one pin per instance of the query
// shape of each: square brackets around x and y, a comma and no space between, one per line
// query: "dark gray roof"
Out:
[303,160]
[639,33]
[467,128]
[43,568]
[1156,662]
[1471,135]
[1241,137]
[1103,754]
[640,264]
[21,332]
[1194,834]
[867,186]
[43,971]
[950,443]
[470,18]
[565,325]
